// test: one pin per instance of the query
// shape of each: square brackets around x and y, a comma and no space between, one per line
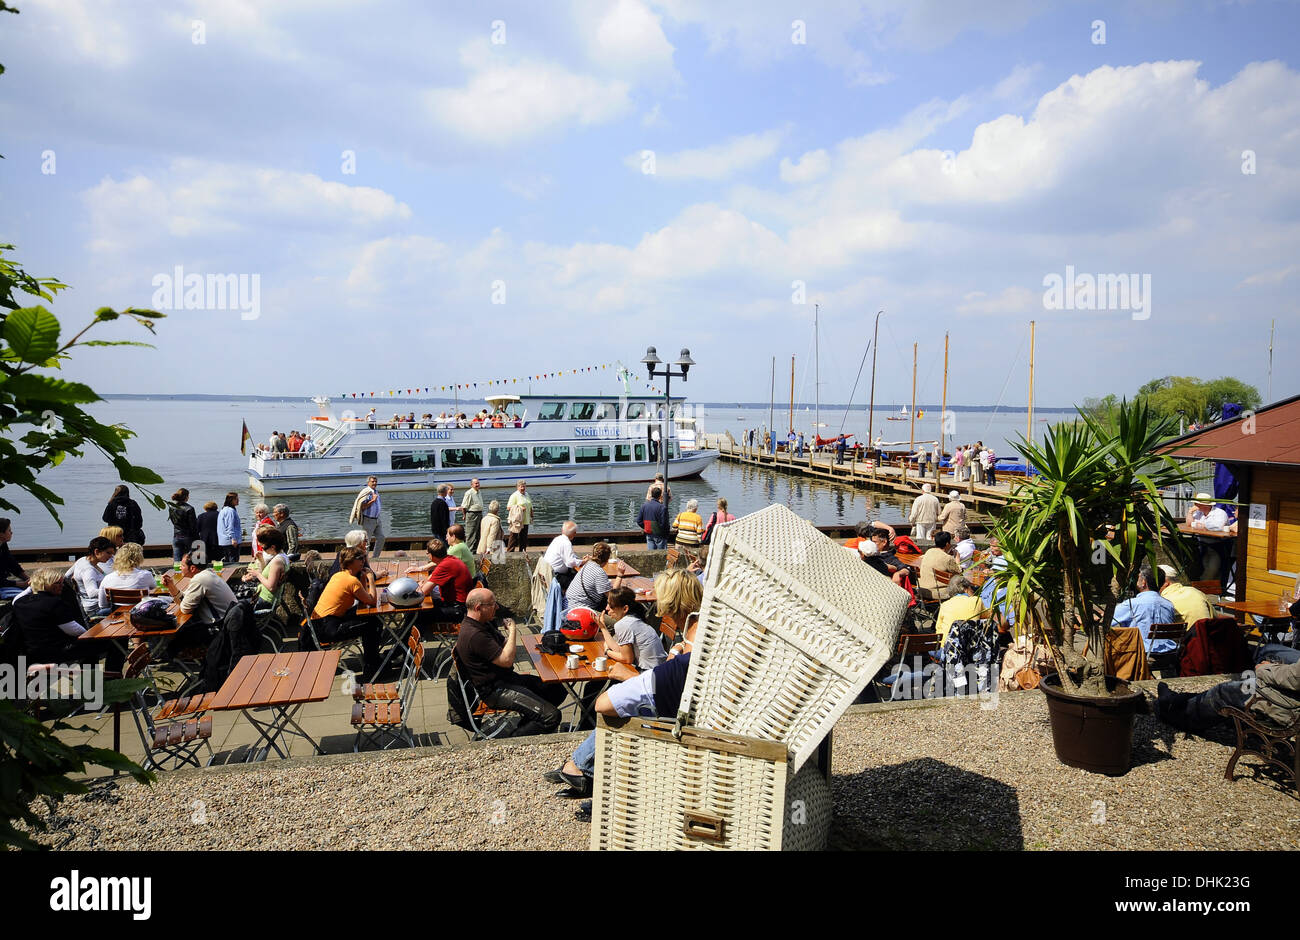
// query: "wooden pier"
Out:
[893,477]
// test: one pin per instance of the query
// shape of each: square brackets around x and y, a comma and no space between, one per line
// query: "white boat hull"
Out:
[284,477]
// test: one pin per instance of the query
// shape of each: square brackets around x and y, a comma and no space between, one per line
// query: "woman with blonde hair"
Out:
[128,573]
[49,624]
[678,593]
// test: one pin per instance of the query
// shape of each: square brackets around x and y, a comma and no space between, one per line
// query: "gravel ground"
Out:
[947,776]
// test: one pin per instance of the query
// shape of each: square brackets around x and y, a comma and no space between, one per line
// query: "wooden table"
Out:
[283,683]
[619,568]
[398,622]
[554,668]
[1268,609]
[912,561]
[118,629]
[642,587]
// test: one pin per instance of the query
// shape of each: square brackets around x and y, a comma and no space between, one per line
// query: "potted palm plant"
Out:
[1074,536]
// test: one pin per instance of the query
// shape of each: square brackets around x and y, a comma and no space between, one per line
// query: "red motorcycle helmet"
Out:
[580,623]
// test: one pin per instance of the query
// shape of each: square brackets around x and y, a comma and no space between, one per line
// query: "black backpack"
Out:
[237,637]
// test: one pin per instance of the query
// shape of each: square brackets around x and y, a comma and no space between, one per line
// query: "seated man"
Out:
[357,538]
[206,597]
[334,615]
[964,604]
[487,661]
[1272,694]
[1145,608]
[1189,604]
[561,557]
[654,693]
[994,593]
[936,559]
[450,578]
[862,532]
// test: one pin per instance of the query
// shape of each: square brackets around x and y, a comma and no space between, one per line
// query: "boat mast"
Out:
[817,374]
[1030,435]
[943,416]
[771,405]
[911,428]
[1271,328]
[792,394]
[871,408]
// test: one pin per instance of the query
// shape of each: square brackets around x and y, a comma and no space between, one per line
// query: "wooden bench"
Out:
[1274,745]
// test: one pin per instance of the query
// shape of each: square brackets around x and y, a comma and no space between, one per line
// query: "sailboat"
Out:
[903,415]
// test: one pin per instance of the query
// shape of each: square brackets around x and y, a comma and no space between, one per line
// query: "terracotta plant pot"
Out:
[1090,732]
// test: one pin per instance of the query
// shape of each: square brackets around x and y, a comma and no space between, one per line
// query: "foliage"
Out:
[50,406]
[1062,569]
[1171,396]
[35,764]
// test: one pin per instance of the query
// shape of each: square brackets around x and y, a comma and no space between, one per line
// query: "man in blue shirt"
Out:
[1145,608]
[1006,611]
[653,520]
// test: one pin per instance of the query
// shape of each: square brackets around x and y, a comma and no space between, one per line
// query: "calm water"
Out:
[196,445]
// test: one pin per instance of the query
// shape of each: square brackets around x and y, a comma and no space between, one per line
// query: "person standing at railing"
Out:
[366,510]
[185,526]
[230,531]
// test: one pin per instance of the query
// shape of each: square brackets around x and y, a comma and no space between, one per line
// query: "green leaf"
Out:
[116,342]
[32,333]
[41,388]
[129,473]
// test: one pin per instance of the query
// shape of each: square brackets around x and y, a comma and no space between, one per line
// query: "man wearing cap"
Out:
[1189,603]
[924,514]
[952,516]
[1205,515]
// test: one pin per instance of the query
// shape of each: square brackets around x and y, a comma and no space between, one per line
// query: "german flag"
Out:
[244,439]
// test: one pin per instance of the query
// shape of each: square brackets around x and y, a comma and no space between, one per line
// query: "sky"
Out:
[425,194]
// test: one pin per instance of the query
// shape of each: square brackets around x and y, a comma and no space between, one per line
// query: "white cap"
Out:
[953,494]
[868,547]
[1170,573]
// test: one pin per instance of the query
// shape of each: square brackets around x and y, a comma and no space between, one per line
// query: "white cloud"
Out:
[812,165]
[716,162]
[1275,276]
[1010,300]
[504,103]
[625,38]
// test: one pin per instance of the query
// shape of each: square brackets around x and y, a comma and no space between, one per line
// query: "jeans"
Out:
[230,554]
[585,755]
[180,547]
[656,542]
[8,592]
[375,529]
[1203,709]
[537,703]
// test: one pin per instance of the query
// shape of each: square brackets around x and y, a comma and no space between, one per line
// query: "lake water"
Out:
[195,444]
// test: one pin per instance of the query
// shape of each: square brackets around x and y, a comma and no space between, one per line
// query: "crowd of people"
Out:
[293,444]
[482,419]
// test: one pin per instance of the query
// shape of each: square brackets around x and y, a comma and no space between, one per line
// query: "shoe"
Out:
[579,783]
[573,793]
[554,776]
[583,812]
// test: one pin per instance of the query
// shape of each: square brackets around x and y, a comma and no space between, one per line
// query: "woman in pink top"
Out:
[719,515]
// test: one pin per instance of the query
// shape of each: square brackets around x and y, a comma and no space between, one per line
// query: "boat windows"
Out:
[582,411]
[606,411]
[462,457]
[673,450]
[551,411]
[591,453]
[413,460]
[551,453]
[640,453]
[635,409]
[370,456]
[622,452]
[508,457]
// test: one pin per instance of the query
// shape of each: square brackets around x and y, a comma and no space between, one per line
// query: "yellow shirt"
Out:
[961,607]
[1188,601]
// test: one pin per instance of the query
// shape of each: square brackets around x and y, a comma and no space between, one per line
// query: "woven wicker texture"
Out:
[648,787]
[791,630]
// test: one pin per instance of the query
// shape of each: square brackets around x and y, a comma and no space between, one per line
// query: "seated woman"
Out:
[270,565]
[13,580]
[88,575]
[127,574]
[628,638]
[115,535]
[334,616]
[590,586]
[48,622]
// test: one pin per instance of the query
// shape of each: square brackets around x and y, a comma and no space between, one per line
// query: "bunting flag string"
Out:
[429,391]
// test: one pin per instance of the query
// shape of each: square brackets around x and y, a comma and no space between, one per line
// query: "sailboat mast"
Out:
[792,394]
[1271,328]
[771,405]
[1029,435]
[817,367]
[943,416]
[871,408]
[911,428]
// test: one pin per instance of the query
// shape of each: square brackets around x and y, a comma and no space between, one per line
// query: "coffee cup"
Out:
[572,661]
[601,664]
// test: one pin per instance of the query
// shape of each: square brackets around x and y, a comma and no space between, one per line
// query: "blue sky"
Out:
[935,160]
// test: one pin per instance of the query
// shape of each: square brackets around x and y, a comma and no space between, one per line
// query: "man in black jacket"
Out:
[440,514]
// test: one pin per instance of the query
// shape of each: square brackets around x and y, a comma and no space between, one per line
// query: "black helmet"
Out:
[152,614]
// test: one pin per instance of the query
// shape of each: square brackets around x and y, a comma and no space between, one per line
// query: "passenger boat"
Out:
[556,440]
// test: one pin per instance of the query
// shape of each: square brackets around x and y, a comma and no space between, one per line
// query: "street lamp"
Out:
[684,363]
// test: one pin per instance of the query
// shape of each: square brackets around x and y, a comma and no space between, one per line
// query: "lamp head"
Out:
[651,359]
[685,361]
